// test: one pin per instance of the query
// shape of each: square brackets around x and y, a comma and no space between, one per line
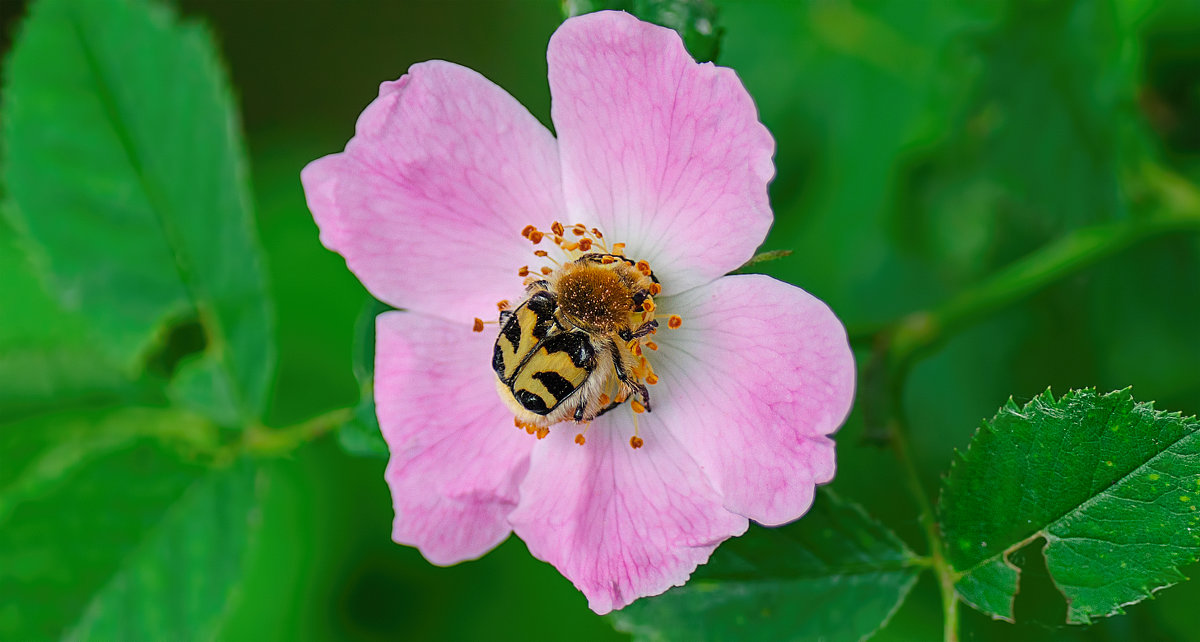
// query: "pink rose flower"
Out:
[666,156]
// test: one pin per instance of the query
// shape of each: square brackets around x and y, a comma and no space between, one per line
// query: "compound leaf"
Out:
[124,171]
[157,564]
[836,574]
[1111,484]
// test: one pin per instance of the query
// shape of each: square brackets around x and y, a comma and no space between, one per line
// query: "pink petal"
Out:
[619,523]
[456,457]
[428,201]
[751,384]
[661,153]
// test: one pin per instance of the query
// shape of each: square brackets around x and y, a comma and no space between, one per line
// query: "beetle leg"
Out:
[610,406]
[646,328]
[624,378]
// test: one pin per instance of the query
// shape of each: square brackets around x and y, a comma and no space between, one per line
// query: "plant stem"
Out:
[263,442]
[917,333]
[941,568]
[897,345]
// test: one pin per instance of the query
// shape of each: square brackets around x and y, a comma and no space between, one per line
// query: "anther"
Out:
[502,305]
[618,248]
[652,378]
[652,345]
[529,229]
[547,271]
[579,439]
[570,247]
[579,230]
[557,228]
[648,305]
[596,233]
[636,442]
[541,253]
[478,327]
[655,289]
[637,407]
[536,237]
[524,271]
[674,322]
[643,267]
[585,244]
[607,260]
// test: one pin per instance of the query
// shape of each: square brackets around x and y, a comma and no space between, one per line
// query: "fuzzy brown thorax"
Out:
[595,297]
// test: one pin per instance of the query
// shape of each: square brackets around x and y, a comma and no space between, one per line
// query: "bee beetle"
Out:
[565,352]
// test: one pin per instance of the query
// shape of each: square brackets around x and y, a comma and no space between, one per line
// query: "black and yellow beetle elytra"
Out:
[564,352]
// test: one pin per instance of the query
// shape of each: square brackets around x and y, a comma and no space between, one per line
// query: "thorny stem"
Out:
[896,346]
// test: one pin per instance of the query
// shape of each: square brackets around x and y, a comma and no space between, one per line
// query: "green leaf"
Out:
[107,531]
[47,356]
[360,436]
[124,170]
[1112,485]
[183,578]
[836,574]
[694,20]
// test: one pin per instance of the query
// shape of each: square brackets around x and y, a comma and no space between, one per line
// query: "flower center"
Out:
[574,348]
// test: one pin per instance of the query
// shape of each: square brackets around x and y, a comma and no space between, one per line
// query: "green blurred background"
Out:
[921,146]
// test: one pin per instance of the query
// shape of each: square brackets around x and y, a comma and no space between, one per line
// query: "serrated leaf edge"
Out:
[961,457]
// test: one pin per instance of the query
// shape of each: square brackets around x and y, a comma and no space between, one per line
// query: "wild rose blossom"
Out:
[656,152]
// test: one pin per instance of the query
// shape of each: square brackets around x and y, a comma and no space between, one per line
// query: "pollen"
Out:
[502,305]
[594,290]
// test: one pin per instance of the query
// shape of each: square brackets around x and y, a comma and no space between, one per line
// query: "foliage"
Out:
[997,197]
